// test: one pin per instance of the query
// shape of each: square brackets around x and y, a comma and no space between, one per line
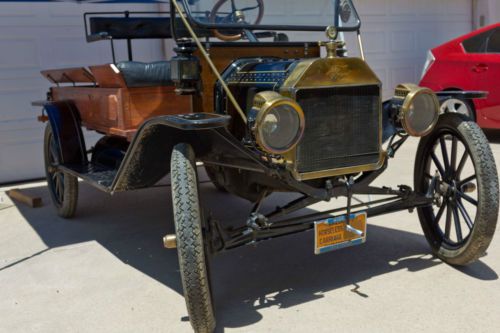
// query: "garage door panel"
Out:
[19,52]
[403,41]
[369,8]
[16,104]
[14,158]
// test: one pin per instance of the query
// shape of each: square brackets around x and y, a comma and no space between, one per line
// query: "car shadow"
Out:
[280,273]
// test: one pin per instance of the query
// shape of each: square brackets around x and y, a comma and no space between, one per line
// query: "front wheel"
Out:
[460,224]
[190,239]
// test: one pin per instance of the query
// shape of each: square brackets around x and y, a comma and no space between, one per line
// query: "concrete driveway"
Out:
[106,271]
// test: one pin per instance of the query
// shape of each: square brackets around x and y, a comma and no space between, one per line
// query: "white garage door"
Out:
[396,34]
[41,36]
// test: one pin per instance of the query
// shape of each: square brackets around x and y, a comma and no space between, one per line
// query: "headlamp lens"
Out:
[280,127]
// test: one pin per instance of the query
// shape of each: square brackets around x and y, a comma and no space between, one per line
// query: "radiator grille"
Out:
[342,128]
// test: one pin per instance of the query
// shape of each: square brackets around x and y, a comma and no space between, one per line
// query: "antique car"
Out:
[469,62]
[264,114]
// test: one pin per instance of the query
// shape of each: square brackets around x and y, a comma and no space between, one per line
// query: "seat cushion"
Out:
[139,74]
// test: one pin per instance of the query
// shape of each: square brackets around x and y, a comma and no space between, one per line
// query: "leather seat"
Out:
[139,74]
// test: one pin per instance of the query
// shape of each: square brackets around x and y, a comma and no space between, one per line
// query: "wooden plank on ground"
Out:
[18,195]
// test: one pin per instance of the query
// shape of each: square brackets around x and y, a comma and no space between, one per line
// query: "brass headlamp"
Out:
[418,109]
[276,122]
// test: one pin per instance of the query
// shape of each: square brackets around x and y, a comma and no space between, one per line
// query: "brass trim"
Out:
[210,62]
[259,72]
[341,171]
[329,72]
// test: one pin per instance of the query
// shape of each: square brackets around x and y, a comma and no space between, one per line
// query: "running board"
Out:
[97,176]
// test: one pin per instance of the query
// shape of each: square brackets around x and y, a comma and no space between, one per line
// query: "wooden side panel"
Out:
[94,105]
[148,102]
[223,56]
[120,111]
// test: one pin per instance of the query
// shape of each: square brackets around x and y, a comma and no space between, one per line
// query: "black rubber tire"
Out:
[484,223]
[213,175]
[192,253]
[63,187]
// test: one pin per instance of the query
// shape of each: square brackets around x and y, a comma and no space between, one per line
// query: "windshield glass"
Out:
[275,14]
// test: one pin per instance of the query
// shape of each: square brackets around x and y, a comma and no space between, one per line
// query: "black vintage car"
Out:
[264,114]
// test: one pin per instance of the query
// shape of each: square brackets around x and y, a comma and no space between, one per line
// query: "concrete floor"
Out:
[106,271]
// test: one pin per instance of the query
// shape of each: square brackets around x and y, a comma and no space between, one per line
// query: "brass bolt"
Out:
[170,241]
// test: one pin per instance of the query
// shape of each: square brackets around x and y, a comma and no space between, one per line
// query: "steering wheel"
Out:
[236,16]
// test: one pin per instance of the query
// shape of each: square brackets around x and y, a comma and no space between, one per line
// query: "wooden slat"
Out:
[69,75]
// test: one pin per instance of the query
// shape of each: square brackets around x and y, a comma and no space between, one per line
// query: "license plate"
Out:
[333,234]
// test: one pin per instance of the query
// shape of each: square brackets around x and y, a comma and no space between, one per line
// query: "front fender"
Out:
[148,157]
[460,94]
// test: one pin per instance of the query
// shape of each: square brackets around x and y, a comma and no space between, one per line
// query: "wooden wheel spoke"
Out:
[466,180]
[454,144]
[465,215]
[440,213]
[458,227]
[437,163]
[444,152]
[467,198]
[448,221]
[461,164]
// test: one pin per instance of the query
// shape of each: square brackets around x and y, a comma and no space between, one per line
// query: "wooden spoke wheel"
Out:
[461,222]
[63,187]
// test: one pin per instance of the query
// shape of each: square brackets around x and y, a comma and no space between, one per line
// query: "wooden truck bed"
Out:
[107,105]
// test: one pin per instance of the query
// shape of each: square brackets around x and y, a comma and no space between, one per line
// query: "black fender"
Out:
[148,158]
[460,94]
[66,127]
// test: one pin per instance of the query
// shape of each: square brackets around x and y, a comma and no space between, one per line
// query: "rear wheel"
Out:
[190,240]
[460,224]
[63,187]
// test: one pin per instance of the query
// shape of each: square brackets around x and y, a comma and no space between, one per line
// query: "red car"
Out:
[470,62]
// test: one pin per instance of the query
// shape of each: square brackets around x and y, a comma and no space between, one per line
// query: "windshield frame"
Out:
[208,25]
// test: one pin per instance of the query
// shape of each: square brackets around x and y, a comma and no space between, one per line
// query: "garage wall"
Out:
[42,36]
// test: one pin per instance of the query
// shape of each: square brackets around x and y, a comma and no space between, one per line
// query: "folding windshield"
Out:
[312,15]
